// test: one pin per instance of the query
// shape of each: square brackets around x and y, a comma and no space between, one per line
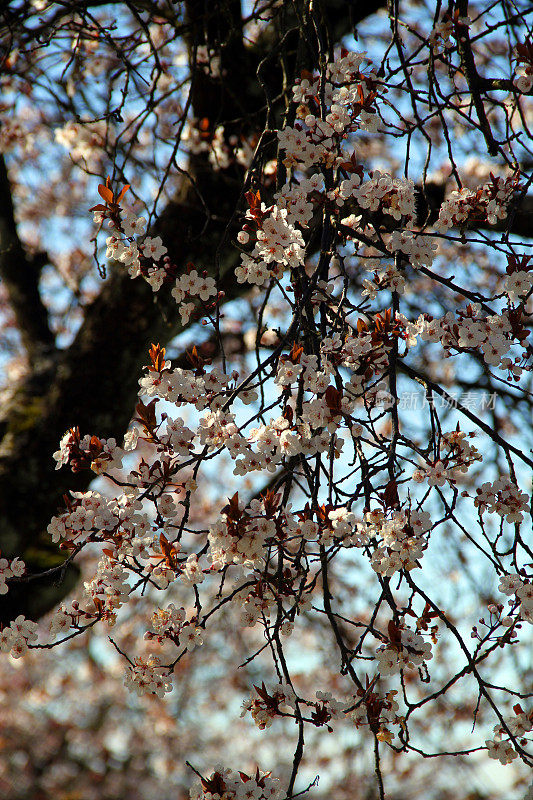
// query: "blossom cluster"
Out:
[258,604]
[365,708]
[404,650]
[88,451]
[64,619]
[128,532]
[182,386]
[524,79]
[148,258]
[239,536]
[500,747]
[522,589]
[18,636]
[195,285]
[266,704]
[420,248]
[10,569]
[502,497]
[400,538]
[108,589]
[299,200]
[148,677]
[518,284]
[278,244]
[488,204]
[441,36]
[172,623]
[224,784]
[457,455]
[387,278]
[493,335]
[90,513]
[523,52]
[382,192]
[141,258]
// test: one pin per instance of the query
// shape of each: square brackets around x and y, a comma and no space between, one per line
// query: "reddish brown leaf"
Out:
[105,193]
[390,495]
[157,357]
[122,192]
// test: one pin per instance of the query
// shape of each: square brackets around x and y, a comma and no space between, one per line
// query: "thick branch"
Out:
[473,80]
[20,276]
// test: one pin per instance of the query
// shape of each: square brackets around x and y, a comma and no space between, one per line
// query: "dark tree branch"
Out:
[20,276]
[473,80]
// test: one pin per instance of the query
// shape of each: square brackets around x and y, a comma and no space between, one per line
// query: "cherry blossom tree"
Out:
[266,433]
